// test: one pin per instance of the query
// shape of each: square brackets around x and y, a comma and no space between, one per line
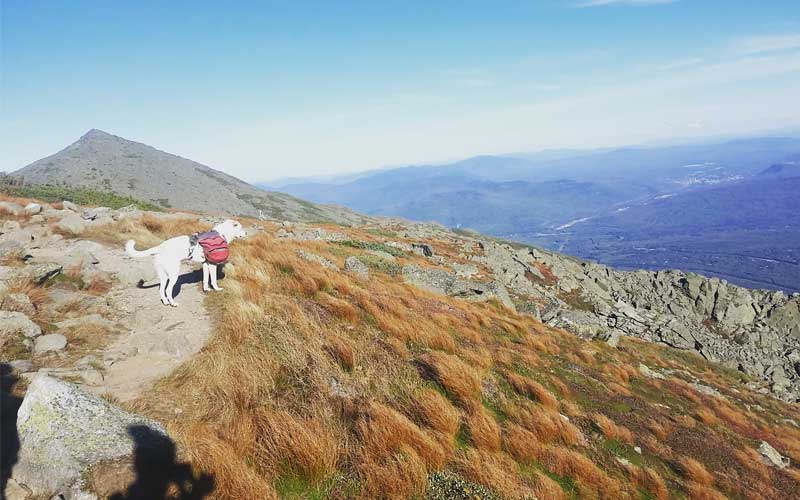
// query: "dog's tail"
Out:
[130,249]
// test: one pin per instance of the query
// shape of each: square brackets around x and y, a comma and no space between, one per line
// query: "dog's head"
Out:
[231,230]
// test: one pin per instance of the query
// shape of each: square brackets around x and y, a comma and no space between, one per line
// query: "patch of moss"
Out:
[622,450]
[567,484]
[293,486]
[382,232]
[382,265]
[372,245]
[494,408]
[462,438]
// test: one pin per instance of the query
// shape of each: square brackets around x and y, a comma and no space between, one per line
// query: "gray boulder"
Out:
[355,266]
[68,205]
[64,432]
[443,282]
[13,323]
[422,249]
[94,213]
[772,456]
[49,342]
[650,373]
[72,224]
[10,249]
[33,208]
[11,208]
[40,273]
[312,257]
[18,302]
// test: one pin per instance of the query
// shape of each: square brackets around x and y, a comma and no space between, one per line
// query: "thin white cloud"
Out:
[606,3]
[680,63]
[767,43]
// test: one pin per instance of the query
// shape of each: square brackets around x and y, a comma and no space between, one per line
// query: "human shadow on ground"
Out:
[158,474]
[9,439]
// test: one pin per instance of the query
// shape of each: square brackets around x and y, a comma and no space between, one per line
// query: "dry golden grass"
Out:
[547,426]
[649,480]
[315,375]
[303,447]
[483,430]
[611,430]
[532,389]
[592,481]
[694,471]
[706,416]
[434,410]
[457,378]
[341,351]
[389,442]
[702,492]
[495,470]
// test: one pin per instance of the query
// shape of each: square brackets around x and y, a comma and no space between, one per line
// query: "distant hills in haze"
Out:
[726,209]
[106,162]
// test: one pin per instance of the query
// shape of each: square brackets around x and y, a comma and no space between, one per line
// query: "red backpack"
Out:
[215,248]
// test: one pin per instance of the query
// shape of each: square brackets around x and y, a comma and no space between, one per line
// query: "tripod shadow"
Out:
[158,475]
[9,439]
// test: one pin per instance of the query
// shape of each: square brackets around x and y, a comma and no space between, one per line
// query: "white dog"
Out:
[168,255]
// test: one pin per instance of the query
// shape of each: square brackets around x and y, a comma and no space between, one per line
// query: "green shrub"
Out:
[79,195]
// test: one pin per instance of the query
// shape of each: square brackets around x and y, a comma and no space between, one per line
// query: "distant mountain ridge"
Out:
[574,201]
[103,161]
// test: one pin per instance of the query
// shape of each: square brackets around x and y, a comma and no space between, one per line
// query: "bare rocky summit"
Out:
[106,162]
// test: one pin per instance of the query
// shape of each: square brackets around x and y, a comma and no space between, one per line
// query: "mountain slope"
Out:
[354,363]
[106,162]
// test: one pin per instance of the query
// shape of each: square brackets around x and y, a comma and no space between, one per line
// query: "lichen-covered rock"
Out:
[72,224]
[68,205]
[772,456]
[13,322]
[33,208]
[441,281]
[18,302]
[10,249]
[94,213]
[11,207]
[312,257]
[355,266]
[650,373]
[49,342]
[752,330]
[64,431]
[40,273]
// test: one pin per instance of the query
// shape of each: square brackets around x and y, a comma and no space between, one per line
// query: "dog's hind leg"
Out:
[162,284]
[205,276]
[173,271]
[213,271]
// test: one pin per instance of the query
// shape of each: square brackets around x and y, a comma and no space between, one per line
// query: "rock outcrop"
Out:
[65,432]
[755,331]
[440,281]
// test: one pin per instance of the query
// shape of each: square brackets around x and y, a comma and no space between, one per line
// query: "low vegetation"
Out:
[320,385]
[81,196]
[317,384]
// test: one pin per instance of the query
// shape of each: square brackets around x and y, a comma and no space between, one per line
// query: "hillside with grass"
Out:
[99,161]
[350,362]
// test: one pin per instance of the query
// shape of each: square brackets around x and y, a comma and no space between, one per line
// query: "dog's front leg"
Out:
[213,272]
[205,276]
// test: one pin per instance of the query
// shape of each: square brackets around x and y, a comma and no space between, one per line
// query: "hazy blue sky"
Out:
[269,89]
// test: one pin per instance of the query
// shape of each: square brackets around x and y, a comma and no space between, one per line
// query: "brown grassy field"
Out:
[320,385]
[317,385]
